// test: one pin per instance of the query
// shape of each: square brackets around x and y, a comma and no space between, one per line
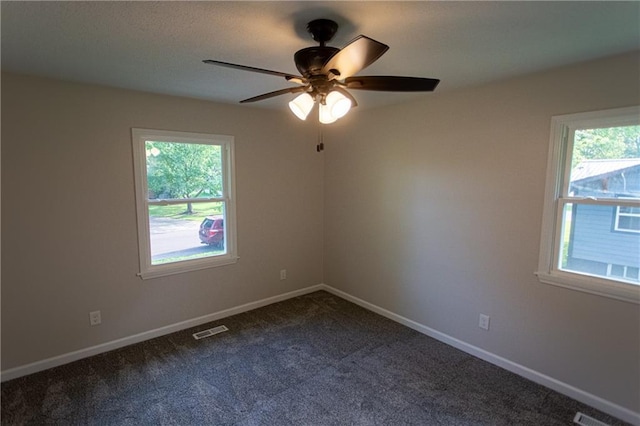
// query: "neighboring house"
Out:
[604,239]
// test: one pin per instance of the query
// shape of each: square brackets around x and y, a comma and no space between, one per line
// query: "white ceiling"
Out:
[159,46]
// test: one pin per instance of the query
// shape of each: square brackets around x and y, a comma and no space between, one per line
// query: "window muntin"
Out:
[182,181]
[593,181]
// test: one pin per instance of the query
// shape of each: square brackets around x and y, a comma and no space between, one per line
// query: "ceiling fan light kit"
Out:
[302,105]
[336,106]
[328,71]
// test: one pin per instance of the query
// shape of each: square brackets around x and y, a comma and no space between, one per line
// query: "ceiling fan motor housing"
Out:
[310,60]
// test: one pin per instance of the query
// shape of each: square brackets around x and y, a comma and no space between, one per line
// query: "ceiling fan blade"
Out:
[392,83]
[354,57]
[297,80]
[289,77]
[272,94]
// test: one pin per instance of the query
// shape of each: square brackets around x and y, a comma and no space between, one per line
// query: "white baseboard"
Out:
[535,376]
[56,361]
[594,401]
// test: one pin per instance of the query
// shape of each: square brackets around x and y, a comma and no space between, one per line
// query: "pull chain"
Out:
[320,145]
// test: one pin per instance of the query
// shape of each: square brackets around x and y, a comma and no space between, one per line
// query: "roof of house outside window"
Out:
[590,169]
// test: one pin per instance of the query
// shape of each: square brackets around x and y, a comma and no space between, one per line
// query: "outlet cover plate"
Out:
[95,318]
[484,322]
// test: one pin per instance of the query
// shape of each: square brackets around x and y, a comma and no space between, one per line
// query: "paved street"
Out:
[175,237]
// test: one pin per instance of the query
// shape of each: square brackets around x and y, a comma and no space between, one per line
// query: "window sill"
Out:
[593,285]
[181,267]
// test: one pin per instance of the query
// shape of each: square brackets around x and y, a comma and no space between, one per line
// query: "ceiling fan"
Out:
[327,72]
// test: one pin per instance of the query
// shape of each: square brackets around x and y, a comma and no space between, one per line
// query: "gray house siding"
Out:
[595,239]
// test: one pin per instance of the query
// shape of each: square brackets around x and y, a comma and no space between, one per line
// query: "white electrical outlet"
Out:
[95,318]
[283,274]
[484,321]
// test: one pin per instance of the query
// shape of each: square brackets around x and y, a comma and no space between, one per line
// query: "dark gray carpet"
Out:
[312,360]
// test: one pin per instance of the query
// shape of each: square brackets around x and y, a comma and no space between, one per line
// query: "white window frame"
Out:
[617,222]
[138,139]
[563,128]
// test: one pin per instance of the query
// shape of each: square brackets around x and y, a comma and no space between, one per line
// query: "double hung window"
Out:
[185,201]
[591,224]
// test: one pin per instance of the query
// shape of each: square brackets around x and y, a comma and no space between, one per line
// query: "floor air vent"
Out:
[210,332]
[584,420]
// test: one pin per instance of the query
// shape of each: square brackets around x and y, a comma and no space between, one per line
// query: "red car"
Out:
[212,231]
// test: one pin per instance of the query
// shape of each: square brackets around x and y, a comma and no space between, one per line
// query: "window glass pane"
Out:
[186,231]
[628,223]
[617,270]
[630,210]
[183,170]
[590,245]
[606,163]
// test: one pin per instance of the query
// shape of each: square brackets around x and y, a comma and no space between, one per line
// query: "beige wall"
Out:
[433,211]
[69,241]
